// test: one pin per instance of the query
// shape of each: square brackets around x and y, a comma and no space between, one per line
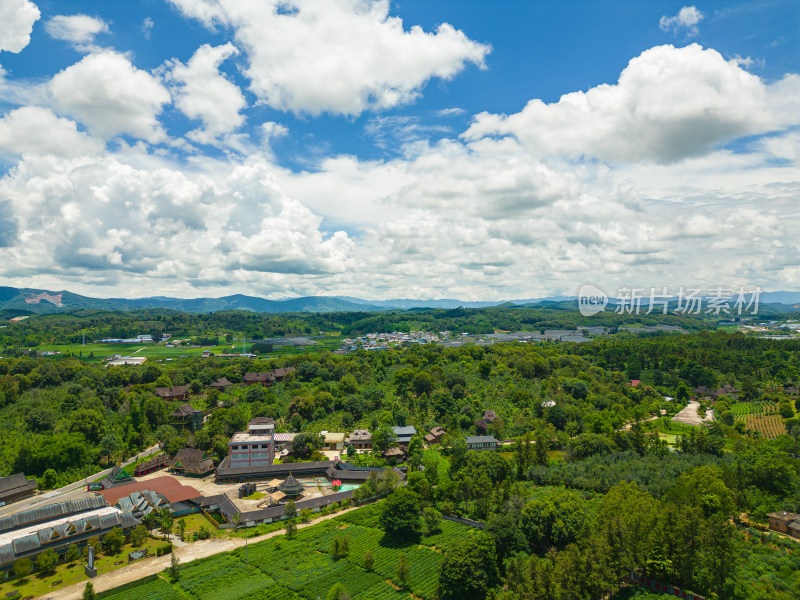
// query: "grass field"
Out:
[161,352]
[304,569]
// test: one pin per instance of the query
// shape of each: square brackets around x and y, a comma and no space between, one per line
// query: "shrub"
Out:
[165,549]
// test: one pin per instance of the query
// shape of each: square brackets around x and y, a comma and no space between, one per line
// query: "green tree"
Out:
[138,535]
[290,512]
[626,517]
[88,592]
[404,571]
[49,479]
[508,538]
[382,439]
[182,528]
[165,521]
[72,554]
[47,561]
[174,566]
[431,520]
[109,445]
[400,515]
[369,560]
[469,569]
[113,540]
[22,567]
[338,592]
[720,548]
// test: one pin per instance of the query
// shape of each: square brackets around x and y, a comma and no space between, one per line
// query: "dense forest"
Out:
[597,481]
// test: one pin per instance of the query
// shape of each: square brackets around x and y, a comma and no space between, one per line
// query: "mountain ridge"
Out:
[40,301]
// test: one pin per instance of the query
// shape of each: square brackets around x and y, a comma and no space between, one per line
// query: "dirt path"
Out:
[154,565]
[690,416]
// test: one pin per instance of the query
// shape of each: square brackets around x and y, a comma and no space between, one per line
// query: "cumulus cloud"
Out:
[105,216]
[78,30]
[336,56]
[669,103]
[686,20]
[109,95]
[203,93]
[16,24]
[37,130]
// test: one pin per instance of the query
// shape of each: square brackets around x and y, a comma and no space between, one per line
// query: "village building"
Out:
[151,466]
[143,497]
[191,462]
[785,522]
[481,442]
[16,487]
[395,454]
[283,441]
[117,476]
[268,378]
[27,534]
[345,471]
[333,441]
[290,487]
[403,435]
[434,436]
[187,416]
[176,392]
[254,447]
[360,439]
[221,384]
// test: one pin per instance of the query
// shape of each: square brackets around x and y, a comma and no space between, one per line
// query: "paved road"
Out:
[150,566]
[68,492]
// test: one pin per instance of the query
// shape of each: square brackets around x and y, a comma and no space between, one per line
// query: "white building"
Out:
[256,446]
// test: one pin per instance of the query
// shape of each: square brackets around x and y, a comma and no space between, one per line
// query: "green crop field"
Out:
[303,568]
[760,416]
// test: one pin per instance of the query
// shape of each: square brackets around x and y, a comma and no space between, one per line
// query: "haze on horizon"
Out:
[438,149]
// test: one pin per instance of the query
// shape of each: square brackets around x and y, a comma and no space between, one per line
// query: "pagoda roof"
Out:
[291,487]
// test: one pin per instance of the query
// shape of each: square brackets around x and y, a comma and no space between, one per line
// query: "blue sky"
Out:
[405,149]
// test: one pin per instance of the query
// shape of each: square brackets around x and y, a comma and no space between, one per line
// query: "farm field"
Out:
[304,569]
[760,416]
[157,351]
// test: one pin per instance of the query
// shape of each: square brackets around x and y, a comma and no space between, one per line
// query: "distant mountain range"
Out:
[26,300]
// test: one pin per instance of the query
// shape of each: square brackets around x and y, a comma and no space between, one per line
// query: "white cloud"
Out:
[78,30]
[36,130]
[451,112]
[399,131]
[203,93]
[147,27]
[16,24]
[111,96]
[669,103]
[687,19]
[106,217]
[337,56]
